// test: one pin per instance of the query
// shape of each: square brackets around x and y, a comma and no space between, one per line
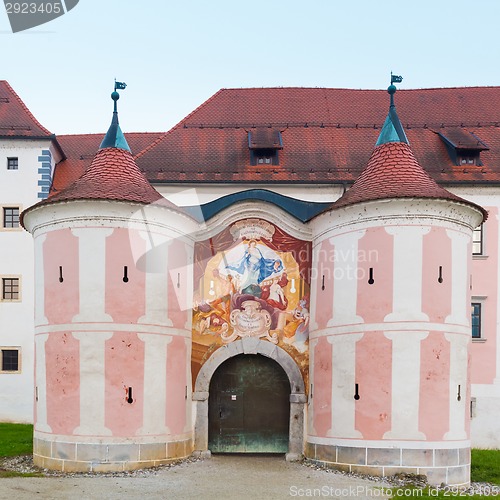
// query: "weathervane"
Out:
[115,95]
[396,79]
[122,86]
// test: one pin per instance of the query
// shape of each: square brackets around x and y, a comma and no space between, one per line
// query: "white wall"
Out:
[19,188]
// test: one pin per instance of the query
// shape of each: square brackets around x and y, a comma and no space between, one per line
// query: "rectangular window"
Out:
[11,360]
[477,241]
[10,289]
[11,217]
[12,163]
[476,320]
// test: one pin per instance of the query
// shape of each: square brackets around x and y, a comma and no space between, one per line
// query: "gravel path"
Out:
[221,477]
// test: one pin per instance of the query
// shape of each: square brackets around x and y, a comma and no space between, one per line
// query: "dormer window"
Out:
[264,144]
[469,160]
[463,146]
[265,157]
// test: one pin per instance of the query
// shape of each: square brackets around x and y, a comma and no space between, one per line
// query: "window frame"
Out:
[480,242]
[11,207]
[480,303]
[12,159]
[19,287]
[265,154]
[19,360]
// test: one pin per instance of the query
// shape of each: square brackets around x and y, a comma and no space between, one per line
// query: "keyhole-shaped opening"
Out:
[459,396]
[370,278]
[312,386]
[178,280]
[125,274]
[186,394]
[356,392]
[440,277]
[323,282]
[129,398]
[61,279]
[36,393]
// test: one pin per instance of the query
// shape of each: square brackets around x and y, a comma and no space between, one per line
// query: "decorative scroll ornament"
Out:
[250,321]
[252,229]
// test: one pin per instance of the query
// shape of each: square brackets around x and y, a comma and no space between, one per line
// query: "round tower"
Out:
[389,336]
[112,319]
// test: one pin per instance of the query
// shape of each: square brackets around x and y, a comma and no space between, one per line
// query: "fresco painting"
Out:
[251,280]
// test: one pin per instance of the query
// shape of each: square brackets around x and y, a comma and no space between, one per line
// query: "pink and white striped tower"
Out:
[113,332]
[389,385]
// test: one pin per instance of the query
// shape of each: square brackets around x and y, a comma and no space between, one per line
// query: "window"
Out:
[469,160]
[10,360]
[12,163]
[11,217]
[477,241]
[476,320]
[11,289]
[267,160]
[264,157]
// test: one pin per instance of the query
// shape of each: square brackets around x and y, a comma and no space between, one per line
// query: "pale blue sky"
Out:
[175,54]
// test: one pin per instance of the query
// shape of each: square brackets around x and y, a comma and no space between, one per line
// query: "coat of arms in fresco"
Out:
[254,285]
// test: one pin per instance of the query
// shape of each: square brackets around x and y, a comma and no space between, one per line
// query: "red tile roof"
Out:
[394,172]
[112,175]
[16,119]
[328,136]
[81,149]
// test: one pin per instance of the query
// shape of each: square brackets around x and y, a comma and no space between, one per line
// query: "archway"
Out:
[251,345]
[249,406]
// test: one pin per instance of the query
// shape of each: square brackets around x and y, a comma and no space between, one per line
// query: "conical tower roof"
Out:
[393,172]
[113,175]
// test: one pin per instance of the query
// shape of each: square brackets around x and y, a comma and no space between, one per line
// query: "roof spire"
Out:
[392,131]
[114,137]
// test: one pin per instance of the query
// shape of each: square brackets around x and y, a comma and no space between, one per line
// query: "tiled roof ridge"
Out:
[23,105]
[418,89]
[89,134]
[178,125]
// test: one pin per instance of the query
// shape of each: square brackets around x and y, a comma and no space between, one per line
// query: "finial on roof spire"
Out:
[392,88]
[392,131]
[114,138]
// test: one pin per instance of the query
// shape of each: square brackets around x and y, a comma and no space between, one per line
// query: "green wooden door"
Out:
[249,406]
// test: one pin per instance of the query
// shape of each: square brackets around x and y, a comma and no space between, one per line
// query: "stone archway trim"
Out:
[249,345]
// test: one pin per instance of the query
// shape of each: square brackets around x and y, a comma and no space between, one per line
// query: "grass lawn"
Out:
[15,439]
[485,468]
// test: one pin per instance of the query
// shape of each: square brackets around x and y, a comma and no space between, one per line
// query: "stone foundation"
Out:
[448,466]
[106,457]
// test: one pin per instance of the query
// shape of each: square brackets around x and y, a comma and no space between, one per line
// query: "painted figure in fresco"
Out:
[207,319]
[296,331]
[277,297]
[254,268]
[224,289]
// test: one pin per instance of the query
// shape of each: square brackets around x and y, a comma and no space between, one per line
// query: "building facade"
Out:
[228,269]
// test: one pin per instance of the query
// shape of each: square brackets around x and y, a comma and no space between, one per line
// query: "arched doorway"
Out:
[249,406]
[251,345]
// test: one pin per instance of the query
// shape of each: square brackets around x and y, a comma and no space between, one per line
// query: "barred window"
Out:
[11,217]
[10,288]
[10,360]
[12,163]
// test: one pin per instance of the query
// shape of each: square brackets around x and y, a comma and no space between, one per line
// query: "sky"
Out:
[174,54]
